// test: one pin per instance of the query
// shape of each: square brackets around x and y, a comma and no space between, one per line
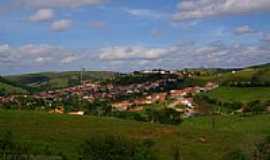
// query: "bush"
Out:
[262,151]
[164,116]
[116,148]
[255,107]
[236,155]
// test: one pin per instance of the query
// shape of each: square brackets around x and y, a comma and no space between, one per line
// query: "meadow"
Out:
[64,133]
[241,94]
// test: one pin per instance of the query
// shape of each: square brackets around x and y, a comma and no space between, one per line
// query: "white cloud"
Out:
[186,55]
[266,38]
[244,30]
[145,13]
[194,9]
[69,58]
[216,54]
[4,47]
[42,15]
[31,55]
[61,25]
[59,3]
[134,52]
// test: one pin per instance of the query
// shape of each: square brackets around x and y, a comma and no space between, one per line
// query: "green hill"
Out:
[240,94]
[8,87]
[63,133]
[253,76]
[55,80]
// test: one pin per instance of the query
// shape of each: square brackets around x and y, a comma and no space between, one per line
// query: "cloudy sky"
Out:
[127,35]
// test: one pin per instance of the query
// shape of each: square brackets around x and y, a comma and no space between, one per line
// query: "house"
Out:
[77,113]
[121,106]
[187,102]
[210,86]
[177,93]
[58,110]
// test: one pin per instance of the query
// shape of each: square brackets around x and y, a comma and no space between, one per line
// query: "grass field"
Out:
[65,133]
[241,94]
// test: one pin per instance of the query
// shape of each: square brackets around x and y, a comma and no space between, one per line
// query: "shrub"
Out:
[116,148]
[262,151]
[236,155]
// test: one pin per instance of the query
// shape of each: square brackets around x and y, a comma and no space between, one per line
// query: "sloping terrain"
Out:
[65,134]
[8,87]
[55,80]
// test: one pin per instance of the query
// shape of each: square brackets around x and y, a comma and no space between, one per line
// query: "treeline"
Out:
[162,116]
[255,106]
[138,78]
[99,107]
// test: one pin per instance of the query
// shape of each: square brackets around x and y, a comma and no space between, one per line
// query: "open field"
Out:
[65,133]
[241,94]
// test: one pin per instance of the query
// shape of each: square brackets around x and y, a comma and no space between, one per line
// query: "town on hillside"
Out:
[152,87]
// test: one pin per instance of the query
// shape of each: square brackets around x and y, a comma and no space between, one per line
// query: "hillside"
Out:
[246,77]
[65,133]
[55,80]
[7,87]
[243,94]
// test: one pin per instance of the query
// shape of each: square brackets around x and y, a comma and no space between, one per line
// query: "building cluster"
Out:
[147,93]
[178,98]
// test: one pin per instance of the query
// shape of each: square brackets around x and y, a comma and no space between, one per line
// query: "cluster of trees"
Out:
[116,148]
[162,116]
[261,152]
[255,106]
[10,149]
[246,84]
[3,92]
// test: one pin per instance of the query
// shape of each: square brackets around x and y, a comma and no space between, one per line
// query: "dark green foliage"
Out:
[262,151]
[18,85]
[236,155]
[10,149]
[3,92]
[100,107]
[116,148]
[130,115]
[255,107]
[164,116]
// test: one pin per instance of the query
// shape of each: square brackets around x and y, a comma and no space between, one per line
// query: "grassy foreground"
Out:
[64,133]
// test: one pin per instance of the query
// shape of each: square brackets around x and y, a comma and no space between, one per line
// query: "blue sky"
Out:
[127,35]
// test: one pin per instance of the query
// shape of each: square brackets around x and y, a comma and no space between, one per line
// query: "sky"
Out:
[128,35]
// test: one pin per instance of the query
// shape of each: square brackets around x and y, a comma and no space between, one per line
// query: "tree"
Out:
[115,148]
[255,107]
[100,107]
